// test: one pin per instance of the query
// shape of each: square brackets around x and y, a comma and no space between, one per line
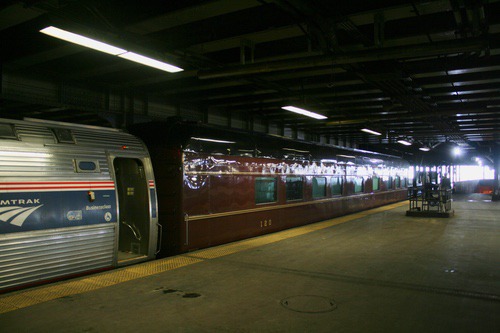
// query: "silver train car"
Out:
[74,199]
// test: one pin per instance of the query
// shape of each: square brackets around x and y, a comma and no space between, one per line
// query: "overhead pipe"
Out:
[398,52]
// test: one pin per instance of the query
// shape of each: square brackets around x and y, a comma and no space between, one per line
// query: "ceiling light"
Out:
[404,142]
[296,150]
[82,40]
[457,151]
[328,161]
[424,148]
[212,140]
[346,156]
[303,112]
[150,62]
[367,130]
[109,49]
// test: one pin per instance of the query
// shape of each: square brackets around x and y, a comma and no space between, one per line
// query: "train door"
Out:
[133,204]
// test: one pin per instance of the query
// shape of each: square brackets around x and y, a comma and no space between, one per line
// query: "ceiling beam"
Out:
[191,14]
[16,14]
[368,55]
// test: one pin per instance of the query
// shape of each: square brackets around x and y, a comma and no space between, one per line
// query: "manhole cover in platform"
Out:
[309,303]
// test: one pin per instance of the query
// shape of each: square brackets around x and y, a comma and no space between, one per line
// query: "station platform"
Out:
[373,271]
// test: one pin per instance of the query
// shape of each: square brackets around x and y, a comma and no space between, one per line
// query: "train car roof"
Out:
[197,137]
[33,133]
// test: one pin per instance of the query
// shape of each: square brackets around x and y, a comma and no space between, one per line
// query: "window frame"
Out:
[64,135]
[362,189]
[301,188]
[341,178]
[389,183]
[12,134]
[324,188]
[275,192]
[78,169]
[375,179]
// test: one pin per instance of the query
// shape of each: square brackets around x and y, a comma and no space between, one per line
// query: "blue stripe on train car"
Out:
[25,211]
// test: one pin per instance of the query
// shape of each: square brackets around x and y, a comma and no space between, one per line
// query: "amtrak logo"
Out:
[16,215]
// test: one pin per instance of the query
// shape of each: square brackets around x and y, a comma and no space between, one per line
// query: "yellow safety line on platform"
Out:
[226,249]
[25,298]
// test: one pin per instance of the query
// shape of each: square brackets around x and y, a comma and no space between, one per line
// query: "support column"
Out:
[496,174]
[378,26]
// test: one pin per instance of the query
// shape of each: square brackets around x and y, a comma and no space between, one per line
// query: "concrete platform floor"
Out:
[379,271]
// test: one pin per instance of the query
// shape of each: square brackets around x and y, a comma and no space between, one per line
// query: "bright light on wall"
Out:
[109,49]
[303,112]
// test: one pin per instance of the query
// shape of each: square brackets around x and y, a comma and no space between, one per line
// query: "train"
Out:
[77,199]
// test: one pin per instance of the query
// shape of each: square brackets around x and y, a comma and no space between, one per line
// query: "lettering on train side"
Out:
[266,223]
[98,207]
[19,202]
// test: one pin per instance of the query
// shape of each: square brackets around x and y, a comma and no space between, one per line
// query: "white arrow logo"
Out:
[16,215]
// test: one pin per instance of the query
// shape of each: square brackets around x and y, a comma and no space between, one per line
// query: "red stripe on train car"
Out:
[46,186]
[57,183]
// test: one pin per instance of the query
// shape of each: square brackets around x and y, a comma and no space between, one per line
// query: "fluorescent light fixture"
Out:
[367,130]
[457,151]
[82,40]
[109,49]
[303,112]
[424,148]
[212,140]
[296,150]
[328,161]
[404,142]
[150,62]
[346,156]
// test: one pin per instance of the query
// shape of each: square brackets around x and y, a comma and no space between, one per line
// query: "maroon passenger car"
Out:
[218,185]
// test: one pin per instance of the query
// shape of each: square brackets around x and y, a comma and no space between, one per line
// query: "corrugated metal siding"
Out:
[35,134]
[29,257]
[37,256]
[38,154]
[107,140]
[28,163]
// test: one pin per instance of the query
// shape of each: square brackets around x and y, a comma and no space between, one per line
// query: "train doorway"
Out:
[133,205]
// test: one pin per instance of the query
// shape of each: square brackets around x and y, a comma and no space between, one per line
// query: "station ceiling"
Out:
[425,71]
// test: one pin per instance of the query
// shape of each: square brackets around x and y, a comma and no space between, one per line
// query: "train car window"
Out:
[336,185]
[265,189]
[403,182]
[375,183]
[319,187]
[87,166]
[7,131]
[294,188]
[397,183]
[358,184]
[388,183]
